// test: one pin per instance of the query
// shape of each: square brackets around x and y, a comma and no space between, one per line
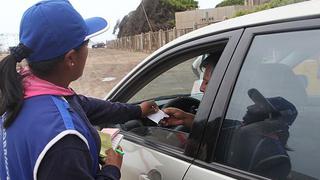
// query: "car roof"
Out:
[293,11]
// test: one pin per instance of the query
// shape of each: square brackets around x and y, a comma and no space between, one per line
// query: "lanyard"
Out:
[4,146]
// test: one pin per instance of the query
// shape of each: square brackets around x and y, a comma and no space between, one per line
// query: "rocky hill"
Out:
[160,13]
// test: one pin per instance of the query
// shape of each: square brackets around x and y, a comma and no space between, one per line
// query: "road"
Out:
[104,69]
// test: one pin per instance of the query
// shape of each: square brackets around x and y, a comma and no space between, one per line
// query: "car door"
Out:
[267,107]
[154,152]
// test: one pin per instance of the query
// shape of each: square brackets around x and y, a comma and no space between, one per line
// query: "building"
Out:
[202,17]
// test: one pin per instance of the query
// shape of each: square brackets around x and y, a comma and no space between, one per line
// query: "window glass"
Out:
[273,119]
[163,136]
[178,87]
[309,72]
[177,80]
[182,80]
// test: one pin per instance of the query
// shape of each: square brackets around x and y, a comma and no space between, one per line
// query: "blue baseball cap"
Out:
[51,28]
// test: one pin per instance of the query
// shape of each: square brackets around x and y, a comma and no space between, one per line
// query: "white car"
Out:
[260,115]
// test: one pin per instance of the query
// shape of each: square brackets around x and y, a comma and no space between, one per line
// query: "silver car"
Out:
[259,117]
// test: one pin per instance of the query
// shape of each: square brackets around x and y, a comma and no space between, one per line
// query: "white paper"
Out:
[156,117]
[116,141]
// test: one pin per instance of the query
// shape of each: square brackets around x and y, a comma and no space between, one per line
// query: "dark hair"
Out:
[11,89]
[84,43]
[211,59]
[45,67]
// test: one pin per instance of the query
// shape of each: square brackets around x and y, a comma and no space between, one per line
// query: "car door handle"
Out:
[152,175]
[143,177]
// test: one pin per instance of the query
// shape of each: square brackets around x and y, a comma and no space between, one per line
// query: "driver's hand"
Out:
[177,117]
[148,108]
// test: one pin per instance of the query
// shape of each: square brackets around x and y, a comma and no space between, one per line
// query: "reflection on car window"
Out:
[175,139]
[272,122]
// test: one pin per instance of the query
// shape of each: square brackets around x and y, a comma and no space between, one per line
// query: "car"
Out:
[259,117]
[99,45]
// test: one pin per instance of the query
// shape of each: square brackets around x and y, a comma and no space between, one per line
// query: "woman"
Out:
[46,130]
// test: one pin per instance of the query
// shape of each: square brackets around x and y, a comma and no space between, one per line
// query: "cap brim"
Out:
[96,26]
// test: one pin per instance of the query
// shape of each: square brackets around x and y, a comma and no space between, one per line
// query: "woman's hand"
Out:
[113,158]
[177,117]
[148,108]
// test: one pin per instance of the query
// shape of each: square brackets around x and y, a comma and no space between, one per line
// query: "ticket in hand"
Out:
[156,117]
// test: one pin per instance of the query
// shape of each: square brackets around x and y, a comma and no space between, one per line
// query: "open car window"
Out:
[177,86]
[181,81]
[178,80]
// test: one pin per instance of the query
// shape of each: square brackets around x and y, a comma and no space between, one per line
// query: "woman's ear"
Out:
[71,58]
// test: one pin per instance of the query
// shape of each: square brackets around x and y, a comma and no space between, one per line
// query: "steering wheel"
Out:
[187,104]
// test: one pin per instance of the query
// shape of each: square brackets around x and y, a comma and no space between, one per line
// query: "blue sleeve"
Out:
[69,159]
[100,111]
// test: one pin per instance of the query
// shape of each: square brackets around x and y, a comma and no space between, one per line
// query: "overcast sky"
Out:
[12,10]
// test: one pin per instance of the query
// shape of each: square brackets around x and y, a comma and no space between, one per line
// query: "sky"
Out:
[11,12]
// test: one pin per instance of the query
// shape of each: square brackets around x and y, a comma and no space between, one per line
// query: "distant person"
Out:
[46,130]
[180,117]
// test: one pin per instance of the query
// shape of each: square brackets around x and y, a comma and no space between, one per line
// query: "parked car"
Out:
[270,66]
[99,45]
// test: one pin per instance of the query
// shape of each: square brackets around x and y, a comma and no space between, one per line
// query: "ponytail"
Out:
[11,88]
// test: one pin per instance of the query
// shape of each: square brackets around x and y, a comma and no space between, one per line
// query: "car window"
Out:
[178,80]
[309,74]
[178,86]
[163,136]
[272,122]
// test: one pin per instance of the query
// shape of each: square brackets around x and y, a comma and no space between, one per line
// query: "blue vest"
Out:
[42,122]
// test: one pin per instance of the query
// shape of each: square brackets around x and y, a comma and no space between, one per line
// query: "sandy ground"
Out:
[104,69]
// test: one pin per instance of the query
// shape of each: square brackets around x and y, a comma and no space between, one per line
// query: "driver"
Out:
[180,117]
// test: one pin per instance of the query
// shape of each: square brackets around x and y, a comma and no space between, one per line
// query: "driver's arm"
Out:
[178,117]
